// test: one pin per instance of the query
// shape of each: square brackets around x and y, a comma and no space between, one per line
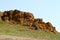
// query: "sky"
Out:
[49,10]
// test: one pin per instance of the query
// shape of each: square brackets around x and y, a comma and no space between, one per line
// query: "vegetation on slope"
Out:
[24,31]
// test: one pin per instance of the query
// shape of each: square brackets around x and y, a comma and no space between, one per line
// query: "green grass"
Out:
[24,31]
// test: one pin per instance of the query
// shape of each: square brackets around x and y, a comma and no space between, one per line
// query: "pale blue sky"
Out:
[49,10]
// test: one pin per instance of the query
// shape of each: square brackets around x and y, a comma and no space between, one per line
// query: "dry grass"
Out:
[25,32]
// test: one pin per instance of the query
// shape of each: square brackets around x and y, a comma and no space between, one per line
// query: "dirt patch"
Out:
[7,37]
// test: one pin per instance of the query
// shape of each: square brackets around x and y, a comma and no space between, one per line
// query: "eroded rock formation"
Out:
[27,19]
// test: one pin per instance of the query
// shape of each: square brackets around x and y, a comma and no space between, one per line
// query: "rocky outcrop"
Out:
[27,19]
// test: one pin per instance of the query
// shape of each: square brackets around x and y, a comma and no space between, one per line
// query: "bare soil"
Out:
[7,37]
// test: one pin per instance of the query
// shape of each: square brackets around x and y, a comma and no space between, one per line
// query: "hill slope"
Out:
[25,31]
[27,19]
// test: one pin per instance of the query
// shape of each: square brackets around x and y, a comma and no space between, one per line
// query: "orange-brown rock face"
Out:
[1,14]
[39,24]
[26,18]
[50,27]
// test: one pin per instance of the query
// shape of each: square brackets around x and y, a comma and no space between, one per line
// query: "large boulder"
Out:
[15,16]
[5,17]
[50,27]
[10,15]
[38,23]
[29,18]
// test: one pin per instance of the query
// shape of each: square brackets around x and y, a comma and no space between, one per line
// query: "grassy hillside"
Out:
[24,31]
